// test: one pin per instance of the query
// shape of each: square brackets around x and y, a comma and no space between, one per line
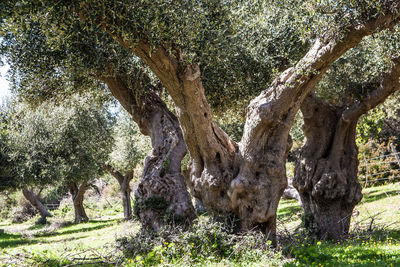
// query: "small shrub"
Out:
[23,211]
[21,214]
[7,202]
[206,242]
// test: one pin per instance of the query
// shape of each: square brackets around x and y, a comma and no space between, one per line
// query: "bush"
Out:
[7,202]
[206,242]
[22,213]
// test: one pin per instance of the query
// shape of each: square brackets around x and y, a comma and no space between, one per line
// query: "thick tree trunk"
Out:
[162,196]
[124,188]
[326,172]
[126,199]
[247,179]
[77,194]
[34,200]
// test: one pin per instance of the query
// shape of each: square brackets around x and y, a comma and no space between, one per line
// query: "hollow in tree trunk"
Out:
[326,172]
[77,194]
[35,202]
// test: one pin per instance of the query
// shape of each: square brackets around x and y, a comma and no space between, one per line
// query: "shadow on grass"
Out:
[14,240]
[37,226]
[85,228]
[368,197]
[66,239]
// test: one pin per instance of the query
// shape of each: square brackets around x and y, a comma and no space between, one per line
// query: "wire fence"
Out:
[381,169]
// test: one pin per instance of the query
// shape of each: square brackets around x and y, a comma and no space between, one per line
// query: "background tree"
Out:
[326,171]
[84,59]
[9,163]
[128,151]
[7,180]
[66,144]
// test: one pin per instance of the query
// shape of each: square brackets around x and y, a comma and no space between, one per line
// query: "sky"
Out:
[4,86]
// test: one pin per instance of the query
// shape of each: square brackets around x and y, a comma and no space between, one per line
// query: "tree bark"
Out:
[124,187]
[77,194]
[326,172]
[249,178]
[291,192]
[34,200]
[161,179]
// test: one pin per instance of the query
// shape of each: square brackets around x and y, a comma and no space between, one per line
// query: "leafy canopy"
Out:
[60,144]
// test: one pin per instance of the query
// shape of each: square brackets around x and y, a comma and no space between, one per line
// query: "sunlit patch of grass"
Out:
[289,214]
[379,208]
[354,252]
[55,244]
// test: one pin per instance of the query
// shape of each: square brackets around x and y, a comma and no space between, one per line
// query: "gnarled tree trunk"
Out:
[124,188]
[326,172]
[77,194]
[162,195]
[34,200]
[249,178]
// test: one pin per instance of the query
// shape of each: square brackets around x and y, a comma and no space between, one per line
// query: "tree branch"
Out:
[279,104]
[114,173]
[389,84]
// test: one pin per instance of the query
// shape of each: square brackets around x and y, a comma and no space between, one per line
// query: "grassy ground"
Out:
[374,240]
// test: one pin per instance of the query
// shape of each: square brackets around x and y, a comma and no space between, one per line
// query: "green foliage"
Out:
[370,126]
[7,180]
[240,45]
[205,243]
[296,132]
[357,72]
[60,144]
[48,47]
[130,146]
[155,203]
[378,165]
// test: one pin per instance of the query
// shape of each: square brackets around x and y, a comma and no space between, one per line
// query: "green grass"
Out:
[374,240]
[58,243]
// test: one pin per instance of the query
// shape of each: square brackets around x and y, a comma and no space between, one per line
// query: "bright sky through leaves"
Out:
[4,85]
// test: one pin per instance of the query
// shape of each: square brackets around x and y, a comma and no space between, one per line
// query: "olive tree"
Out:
[66,144]
[74,57]
[326,172]
[7,180]
[189,45]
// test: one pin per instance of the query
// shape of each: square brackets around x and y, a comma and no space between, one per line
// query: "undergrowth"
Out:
[204,244]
